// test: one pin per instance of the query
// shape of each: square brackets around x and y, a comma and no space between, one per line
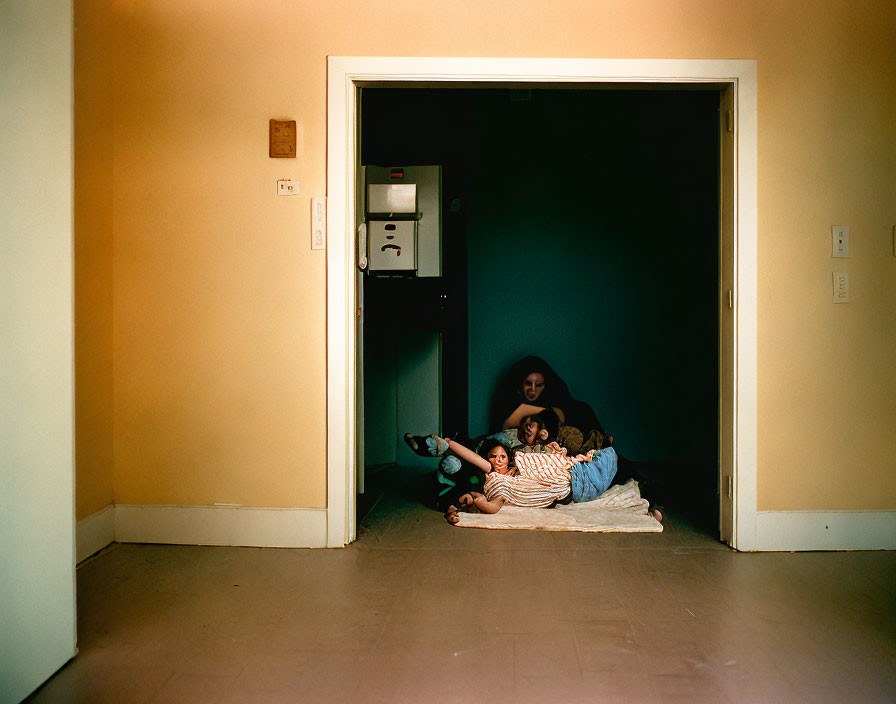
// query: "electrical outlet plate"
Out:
[841,287]
[318,223]
[840,241]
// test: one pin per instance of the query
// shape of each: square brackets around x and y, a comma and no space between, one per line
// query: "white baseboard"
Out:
[307,528]
[824,530]
[202,525]
[222,525]
[95,532]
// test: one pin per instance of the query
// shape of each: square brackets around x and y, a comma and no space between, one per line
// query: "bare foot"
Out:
[656,512]
[451,515]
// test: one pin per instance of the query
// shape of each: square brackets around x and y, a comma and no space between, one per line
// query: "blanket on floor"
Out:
[620,509]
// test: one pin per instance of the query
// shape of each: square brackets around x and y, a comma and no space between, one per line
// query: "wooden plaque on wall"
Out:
[283,139]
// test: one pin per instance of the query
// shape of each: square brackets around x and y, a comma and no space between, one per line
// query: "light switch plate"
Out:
[841,287]
[287,187]
[840,241]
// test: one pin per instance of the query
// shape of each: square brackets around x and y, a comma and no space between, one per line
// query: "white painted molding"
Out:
[746,296]
[95,532]
[202,525]
[346,73]
[825,530]
[222,525]
[307,528]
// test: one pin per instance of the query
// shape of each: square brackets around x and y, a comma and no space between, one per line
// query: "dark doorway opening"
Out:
[582,226]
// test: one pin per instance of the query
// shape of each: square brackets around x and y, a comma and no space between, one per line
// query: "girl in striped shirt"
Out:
[538,480]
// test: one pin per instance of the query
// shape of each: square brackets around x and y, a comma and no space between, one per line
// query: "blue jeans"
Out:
[592,478]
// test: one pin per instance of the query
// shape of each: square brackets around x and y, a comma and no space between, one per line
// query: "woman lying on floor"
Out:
[546,479]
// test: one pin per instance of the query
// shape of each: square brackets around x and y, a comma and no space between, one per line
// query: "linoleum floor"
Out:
[417,610]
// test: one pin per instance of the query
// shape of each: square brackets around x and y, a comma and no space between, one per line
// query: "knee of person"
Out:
[449,464]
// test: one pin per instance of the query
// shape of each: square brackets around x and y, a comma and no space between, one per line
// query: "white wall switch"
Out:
[318,223]
[287,188]
[840,241]
[841,287]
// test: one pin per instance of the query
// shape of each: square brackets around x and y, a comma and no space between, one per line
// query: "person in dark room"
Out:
[530,386]
[456,476]
[550,477]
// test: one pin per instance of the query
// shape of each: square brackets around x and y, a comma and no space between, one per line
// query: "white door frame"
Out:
[346,74]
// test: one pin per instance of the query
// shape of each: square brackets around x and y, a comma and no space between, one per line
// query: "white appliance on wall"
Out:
[403,208]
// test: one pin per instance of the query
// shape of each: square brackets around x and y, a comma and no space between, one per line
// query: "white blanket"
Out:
[620,509]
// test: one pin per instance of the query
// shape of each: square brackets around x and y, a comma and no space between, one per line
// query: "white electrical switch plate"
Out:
[287,188]
[840,241]
[318,223]
[841,287]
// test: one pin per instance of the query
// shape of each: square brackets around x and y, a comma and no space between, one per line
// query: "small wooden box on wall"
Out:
[283,139]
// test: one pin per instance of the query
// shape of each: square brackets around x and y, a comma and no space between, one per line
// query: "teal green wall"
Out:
[592,242]
[592,236]
[401,394]
[380,392]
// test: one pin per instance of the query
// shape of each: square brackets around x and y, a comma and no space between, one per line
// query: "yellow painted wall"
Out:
[93,256]
[218,322]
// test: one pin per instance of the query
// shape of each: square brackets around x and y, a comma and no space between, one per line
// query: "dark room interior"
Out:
[579,225]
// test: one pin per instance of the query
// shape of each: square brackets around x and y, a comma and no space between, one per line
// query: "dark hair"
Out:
[555,394]
[490,445]
[509,393]
[554,390]
[548,420]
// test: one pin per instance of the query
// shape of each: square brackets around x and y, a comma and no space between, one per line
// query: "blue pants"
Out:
[591,479]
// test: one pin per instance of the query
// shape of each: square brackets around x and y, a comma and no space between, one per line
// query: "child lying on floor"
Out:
[534,479]
[455,477]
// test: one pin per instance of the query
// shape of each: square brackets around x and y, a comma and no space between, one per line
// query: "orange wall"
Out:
[93,257]
[218,322]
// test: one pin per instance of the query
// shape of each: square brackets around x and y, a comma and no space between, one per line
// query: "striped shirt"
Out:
[543,465]
[542,480]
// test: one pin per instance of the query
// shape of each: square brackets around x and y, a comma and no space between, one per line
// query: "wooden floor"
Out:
[417,610]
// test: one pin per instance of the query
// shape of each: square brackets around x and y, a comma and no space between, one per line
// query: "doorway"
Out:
[580,225]
[344,84]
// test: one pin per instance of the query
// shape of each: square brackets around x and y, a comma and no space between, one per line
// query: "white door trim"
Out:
[346,73]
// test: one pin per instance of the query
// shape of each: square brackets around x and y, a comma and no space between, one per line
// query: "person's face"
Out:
[528,432]
[497,458]
[533,385]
